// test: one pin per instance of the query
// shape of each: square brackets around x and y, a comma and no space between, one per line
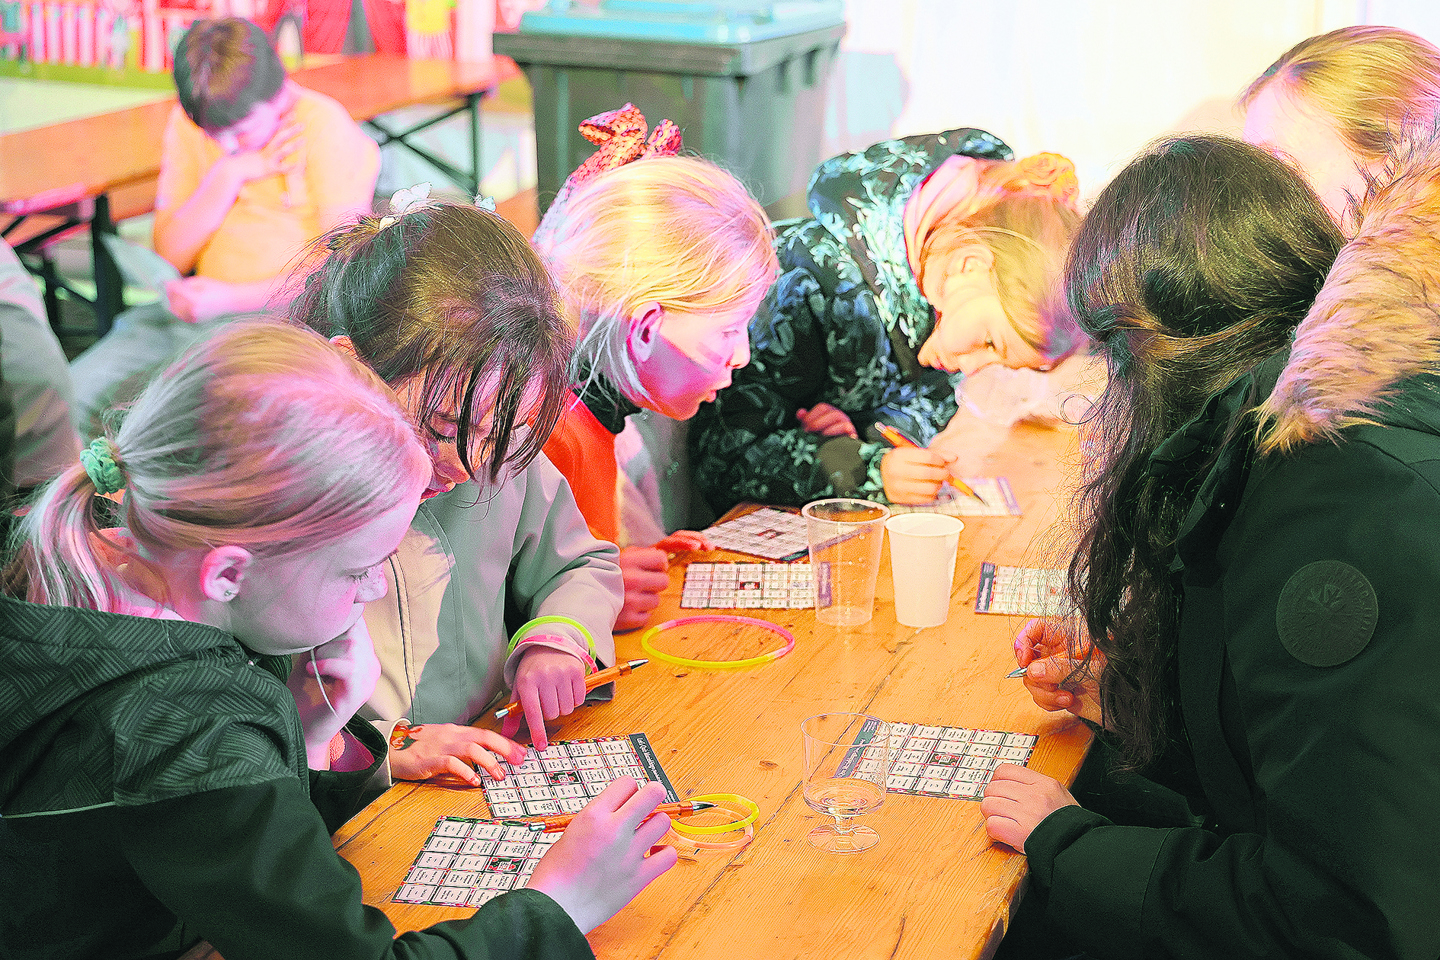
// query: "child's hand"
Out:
[1016,800]
[684,540]
[1050,659]
[548,683]
[348,669]
[914,474]
[200,299]
[601,862]
[449,749]
[279,156]
[645,570]
[826,420]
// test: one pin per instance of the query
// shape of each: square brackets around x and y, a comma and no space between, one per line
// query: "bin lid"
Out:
[685,21]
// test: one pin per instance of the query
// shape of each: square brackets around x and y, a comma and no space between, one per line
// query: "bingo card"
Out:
[1029,591]
[466,862]
[940,761]
[747,586]
[998,495]
[565,775]
[767,532]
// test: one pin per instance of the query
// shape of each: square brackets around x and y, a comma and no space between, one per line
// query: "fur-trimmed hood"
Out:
[1376,323]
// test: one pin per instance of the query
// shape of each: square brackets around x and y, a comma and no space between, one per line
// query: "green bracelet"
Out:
[541,621]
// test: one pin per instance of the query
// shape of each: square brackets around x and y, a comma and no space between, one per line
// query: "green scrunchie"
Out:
[98,459]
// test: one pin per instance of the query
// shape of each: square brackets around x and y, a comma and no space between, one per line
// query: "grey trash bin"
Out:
[744,80]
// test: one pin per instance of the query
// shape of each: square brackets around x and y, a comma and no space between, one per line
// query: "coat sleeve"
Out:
[748,445]
[252,871]
[1329,612]
[559,569]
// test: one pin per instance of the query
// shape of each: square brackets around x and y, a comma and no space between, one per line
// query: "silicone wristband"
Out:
[585,658]
[541,621]
[649,648]
[727,802]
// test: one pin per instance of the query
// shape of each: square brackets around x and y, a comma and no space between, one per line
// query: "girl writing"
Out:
[152,761]
[1256,567]
[923,260]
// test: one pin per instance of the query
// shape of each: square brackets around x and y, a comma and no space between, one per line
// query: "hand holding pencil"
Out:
[913,474]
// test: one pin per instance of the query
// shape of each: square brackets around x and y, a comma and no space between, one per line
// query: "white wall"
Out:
[1092,79]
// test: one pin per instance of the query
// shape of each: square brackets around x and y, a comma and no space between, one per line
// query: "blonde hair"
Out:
[263,436]
[676,231]
[1027,227]
[1368,79]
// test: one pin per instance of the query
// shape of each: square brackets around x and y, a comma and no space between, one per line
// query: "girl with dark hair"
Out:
[453,309]
[1256,570]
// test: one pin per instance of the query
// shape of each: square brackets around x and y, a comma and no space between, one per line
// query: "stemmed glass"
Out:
[847,761]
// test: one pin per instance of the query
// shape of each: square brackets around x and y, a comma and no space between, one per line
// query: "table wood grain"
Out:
[934,885]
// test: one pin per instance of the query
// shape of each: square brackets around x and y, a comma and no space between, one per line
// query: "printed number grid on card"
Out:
[1029,591]
[747,586]
[999,500]
[466,862]
[563,777]
[769,533]
[940,761]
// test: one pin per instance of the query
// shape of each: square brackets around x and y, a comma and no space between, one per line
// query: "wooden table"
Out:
[97,170]
[934,885]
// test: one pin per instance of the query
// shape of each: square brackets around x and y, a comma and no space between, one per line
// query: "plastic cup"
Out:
[922,562]
[845,537]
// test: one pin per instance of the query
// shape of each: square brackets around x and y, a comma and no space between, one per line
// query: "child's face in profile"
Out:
[693,356]
[440,427]
[1306,139]
[292,602]
[259,126]
[972,329]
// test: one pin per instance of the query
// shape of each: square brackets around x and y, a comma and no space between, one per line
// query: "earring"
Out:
[228,594]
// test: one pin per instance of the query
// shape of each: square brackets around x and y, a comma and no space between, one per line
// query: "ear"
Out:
[222,572]
[974,256]
[645,323]
[343,343]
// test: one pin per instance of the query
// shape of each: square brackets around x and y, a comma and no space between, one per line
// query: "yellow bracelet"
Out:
[748,812]
[541,621]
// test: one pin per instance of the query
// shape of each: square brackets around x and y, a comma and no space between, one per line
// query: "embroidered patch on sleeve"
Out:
[1326,613]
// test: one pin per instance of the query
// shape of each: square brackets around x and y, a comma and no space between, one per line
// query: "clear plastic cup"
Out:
[846,535]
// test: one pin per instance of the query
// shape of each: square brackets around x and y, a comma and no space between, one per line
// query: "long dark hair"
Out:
[1195,264]
[454,295]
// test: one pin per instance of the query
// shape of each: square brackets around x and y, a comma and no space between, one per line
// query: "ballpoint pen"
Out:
[559,822]
[898,439]
[595,679]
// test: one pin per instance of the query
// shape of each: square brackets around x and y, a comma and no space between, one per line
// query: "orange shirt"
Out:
[584,451]
[273,219]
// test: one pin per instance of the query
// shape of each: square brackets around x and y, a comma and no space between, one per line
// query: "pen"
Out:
[595,679]
[1016,674]
[898,439]
[557,823]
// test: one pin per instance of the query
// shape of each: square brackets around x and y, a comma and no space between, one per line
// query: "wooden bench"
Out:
[91,172]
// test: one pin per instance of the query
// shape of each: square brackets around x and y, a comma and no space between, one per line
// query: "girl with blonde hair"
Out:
[152,760]
[923,260]
[1334,105]
[662,261]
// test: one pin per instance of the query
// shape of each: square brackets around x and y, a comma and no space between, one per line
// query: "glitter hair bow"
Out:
[620,135]
[410,199]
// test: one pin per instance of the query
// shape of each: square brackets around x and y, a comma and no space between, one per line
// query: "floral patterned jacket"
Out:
[841,325]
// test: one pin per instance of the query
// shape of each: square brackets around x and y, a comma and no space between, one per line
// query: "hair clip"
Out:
[484,202]
[408,200]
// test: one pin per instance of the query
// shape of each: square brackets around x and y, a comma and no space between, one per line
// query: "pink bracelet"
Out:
[585,657]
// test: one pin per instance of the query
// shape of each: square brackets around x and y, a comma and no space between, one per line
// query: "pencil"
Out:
[559,822]
[595,679]
[898,439]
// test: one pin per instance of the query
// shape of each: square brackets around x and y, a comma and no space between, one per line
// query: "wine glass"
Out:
[847,761]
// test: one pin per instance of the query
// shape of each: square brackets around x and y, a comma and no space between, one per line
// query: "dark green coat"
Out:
[841,325]
[1310,693]
[154,793]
